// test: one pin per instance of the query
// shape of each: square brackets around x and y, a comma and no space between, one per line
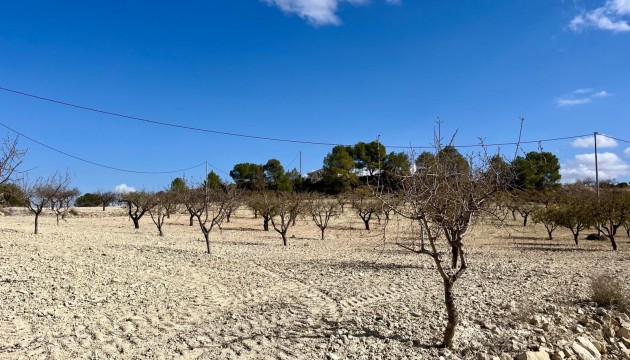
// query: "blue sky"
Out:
[316,70]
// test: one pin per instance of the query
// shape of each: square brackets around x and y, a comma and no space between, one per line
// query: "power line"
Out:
[614,138]
[257,137]
[155,122]
[95,163]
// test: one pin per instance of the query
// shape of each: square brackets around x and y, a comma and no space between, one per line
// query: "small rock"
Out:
[533,355]
[581,352]
[588,345]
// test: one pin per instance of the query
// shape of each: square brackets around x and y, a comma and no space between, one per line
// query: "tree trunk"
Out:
[525,219]
[206,235]
[57,214]
[266,223]
[453,317]
[454,256]
[549,232]
[367,224]
[104,204]
[36,222]
[160,230]
[613,242]
[514,214]
[136,223]
[323,229]
[284,238]
[575,237]
[192,217]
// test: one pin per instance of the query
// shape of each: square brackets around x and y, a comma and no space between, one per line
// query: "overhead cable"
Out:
[257,137]
[95,163]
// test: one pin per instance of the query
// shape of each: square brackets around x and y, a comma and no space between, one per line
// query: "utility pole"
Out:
[378,149]
[596,167]
[300,164]
[596,175]
[206,190]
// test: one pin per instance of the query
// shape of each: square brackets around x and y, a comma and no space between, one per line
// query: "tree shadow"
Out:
[554,247]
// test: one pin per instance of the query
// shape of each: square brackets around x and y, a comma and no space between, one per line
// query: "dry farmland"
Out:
[95,288]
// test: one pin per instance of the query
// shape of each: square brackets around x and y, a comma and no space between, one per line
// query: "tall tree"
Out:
[536,171]
[214,181]
[275,176]
[248,176]
[338,166]
[368,156]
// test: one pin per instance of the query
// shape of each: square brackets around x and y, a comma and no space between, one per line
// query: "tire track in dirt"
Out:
[16,335]
[378,296]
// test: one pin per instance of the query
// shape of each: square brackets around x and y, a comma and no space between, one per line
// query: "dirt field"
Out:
[95,288]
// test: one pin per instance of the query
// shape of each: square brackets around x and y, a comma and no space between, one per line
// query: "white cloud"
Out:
[317,12]
[610,166]
[602,93]
[583,91]
[627,152]
[572,102]
[580,96]
[124,189]
[589,142]
[612,16]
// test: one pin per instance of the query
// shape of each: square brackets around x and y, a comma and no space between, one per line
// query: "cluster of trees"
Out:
[575,207]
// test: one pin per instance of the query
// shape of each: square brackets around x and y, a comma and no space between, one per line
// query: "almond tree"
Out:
[258,202]
[612,211]
[40,193]
[138,203]
[322,208]
[106,197]
[575,210]
[165,204]
[285,208]
[548,216]
[10,159]
[61,201]
[365,205]
[445,198]
[210,207]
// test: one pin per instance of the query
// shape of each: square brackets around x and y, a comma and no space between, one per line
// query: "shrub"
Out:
[608,292]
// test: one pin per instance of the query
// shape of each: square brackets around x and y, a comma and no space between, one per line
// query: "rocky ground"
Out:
[95,288]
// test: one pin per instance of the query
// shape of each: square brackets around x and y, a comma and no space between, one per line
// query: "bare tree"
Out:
[210,207]
[575,210]
[10,159]
[548,216]
[258,202]
[611,212]
[61,201]
[165,204]
[322,208]
[445,197]
[138,203]
[366,205]
[41,192]
[106,197]
[285,208]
